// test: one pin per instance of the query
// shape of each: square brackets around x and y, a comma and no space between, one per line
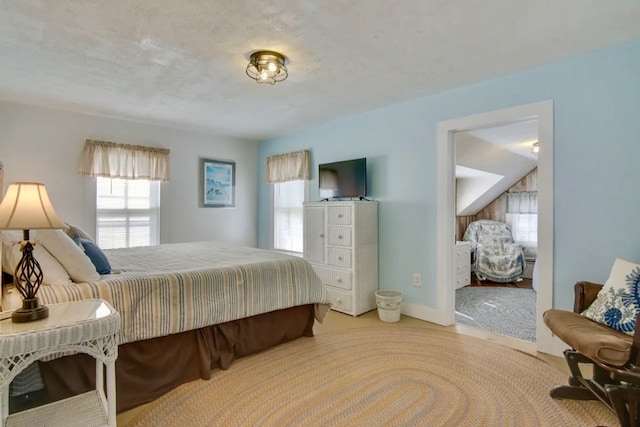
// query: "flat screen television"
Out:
[343,179]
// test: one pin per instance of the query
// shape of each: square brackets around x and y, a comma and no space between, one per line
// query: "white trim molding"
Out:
[444,313]
[422,312]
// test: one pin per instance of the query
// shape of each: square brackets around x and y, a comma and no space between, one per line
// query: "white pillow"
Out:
[53,273]
[618,302]
[77,264]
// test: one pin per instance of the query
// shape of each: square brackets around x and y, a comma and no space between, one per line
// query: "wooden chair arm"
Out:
[634,356]
[585,295]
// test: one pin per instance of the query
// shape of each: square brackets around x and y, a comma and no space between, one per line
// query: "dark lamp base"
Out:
[30,311]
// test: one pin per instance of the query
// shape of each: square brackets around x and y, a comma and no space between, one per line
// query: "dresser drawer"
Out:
[339,215]
[463,268]
[339,300]
[461,253]
[339,257]
[339,236]
[336,278]
[461,282]
[463,264]
[463,276]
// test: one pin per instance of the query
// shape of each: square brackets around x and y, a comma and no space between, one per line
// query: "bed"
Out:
[187,308]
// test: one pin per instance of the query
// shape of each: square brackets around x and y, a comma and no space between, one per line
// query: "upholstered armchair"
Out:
[495,256]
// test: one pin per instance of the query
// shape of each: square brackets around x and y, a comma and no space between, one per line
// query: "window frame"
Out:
[154,212]
[272,218]
[512,219]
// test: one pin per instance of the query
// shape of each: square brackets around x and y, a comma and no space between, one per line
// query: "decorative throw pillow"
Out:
[77,264]
[53,273]
[74,232]
[618,302]
[95,254]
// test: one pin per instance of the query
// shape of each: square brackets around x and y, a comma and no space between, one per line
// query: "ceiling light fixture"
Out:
[535,148]
[266,66]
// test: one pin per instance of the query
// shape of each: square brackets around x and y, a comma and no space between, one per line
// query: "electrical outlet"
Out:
[417,279]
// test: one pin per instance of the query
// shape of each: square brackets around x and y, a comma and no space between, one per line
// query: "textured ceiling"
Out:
[182,63]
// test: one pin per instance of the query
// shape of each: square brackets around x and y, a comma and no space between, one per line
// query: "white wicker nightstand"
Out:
[88,326]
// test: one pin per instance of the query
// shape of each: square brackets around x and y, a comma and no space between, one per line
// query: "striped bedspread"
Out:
[171,288]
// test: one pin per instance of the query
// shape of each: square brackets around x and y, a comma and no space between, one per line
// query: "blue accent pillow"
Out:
[618,302]
[95,254]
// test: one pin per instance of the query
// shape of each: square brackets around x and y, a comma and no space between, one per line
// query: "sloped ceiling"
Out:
[490,161]
[182,63]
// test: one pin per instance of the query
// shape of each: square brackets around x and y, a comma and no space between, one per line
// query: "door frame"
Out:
[543,112]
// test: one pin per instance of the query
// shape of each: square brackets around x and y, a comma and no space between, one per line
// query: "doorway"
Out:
[496,198]
[543,112]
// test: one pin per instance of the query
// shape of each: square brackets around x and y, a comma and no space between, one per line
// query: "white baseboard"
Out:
[422,312]
[558,347]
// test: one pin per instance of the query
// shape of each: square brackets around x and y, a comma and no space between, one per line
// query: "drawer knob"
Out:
[339,258]
[322,235]
[339,215]
[339,280]
[339,236]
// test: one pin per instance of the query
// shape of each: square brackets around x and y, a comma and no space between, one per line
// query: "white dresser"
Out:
[341,243]
[463,264]
[529,263]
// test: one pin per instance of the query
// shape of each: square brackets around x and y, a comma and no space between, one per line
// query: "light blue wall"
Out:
[596,165]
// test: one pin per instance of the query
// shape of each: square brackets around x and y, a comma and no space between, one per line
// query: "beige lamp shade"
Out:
[26,206]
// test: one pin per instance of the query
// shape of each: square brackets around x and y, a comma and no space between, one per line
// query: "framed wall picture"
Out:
[217,183]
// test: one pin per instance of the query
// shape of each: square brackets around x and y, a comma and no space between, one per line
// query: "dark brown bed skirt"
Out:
[145,370]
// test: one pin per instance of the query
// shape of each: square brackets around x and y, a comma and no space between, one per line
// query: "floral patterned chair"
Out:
[495,255]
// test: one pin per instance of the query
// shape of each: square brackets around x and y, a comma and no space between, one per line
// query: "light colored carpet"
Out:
[373,376]
[504,311]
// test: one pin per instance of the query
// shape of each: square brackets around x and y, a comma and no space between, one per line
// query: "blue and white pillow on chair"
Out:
[618,302]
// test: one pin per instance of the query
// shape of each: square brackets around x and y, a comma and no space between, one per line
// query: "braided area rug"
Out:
[374,376]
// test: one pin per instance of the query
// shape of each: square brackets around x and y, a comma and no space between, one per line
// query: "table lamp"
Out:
[26,206]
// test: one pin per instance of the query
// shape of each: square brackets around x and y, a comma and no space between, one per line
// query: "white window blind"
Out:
[524,228]
[522,218]
[287,202]
[127,213]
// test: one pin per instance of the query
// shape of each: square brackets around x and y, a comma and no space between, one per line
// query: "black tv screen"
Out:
[343,179]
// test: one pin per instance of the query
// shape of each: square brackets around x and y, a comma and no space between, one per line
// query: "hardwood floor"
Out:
[337,321]
[523,284]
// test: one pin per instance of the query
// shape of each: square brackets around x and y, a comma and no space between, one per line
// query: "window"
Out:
[127,213]
[522,217]
[287,215]
[524,228]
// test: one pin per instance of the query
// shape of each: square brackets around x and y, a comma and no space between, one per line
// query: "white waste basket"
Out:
[388,302]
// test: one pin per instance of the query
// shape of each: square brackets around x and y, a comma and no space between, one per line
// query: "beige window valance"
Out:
[113,160]
[288,167]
